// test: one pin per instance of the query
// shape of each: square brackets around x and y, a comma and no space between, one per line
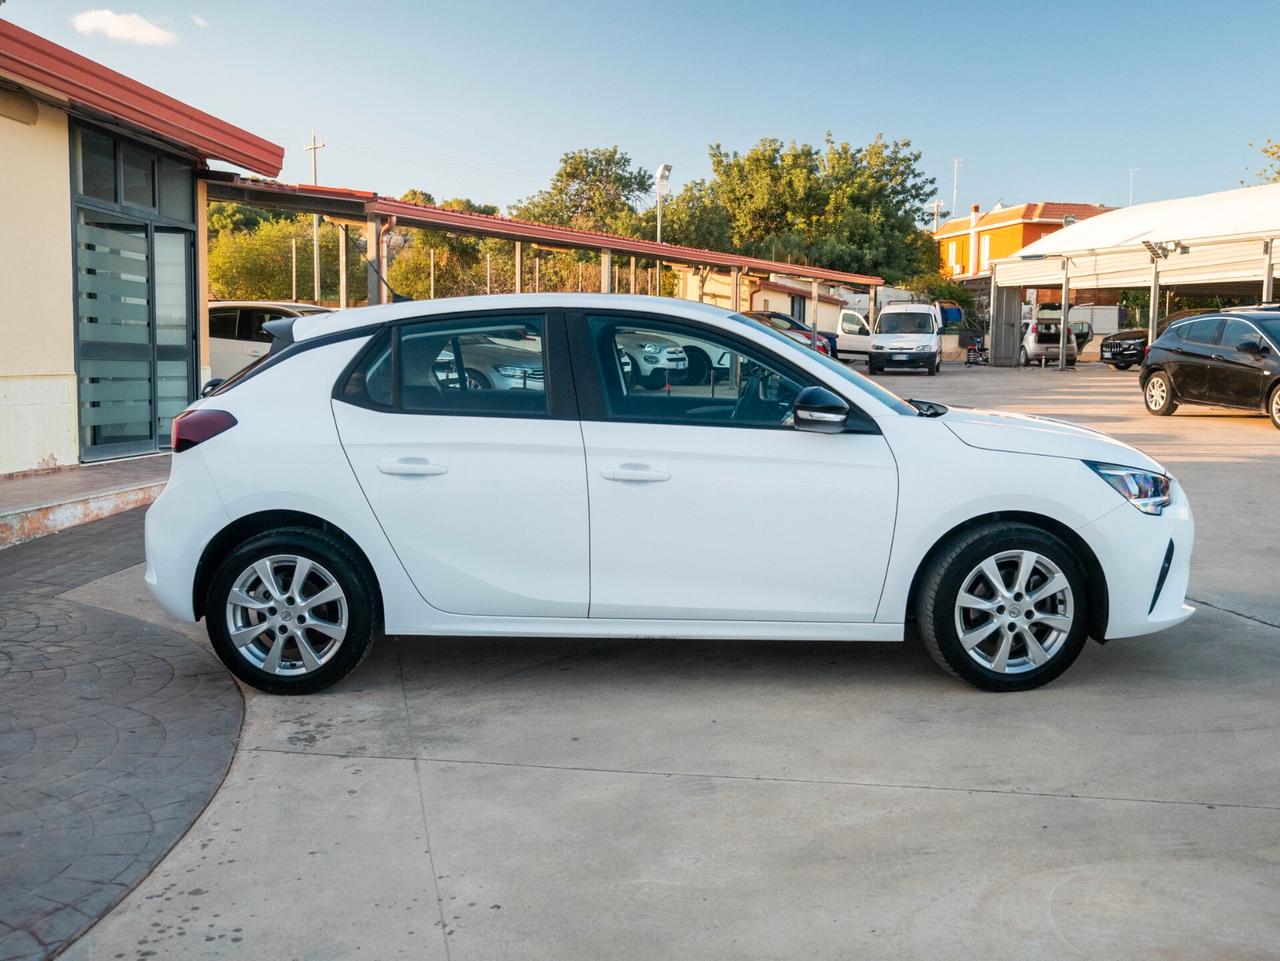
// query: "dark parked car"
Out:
[795,329]
[1124,348]
[1230,359]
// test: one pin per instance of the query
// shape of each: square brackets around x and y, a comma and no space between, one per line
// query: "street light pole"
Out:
[315,147]
[662,184]
[956,164]
[1132,171]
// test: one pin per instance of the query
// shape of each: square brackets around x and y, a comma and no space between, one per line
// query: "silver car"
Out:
[1042,343]
[655,361]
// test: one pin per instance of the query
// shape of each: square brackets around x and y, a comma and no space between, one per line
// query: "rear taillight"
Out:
[193,427]
[1146,349]
[1035,329]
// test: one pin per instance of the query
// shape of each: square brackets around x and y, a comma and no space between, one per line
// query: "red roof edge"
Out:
[29,58]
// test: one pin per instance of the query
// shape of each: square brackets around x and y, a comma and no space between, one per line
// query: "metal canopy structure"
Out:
[1216,238]
[377,212]
[1223,240]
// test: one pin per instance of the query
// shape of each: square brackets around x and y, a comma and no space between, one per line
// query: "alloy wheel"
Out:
[1014,612]
[286,615]
[1157,393]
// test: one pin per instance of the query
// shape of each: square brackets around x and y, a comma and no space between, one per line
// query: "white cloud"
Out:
[126,27]
[199,21]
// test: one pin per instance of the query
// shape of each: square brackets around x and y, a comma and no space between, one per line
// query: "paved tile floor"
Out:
[114,734]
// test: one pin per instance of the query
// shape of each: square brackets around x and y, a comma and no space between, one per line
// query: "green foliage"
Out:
[934,286]
[859,209]
[229,216]
[594,189]
[255,264]
[1271,151]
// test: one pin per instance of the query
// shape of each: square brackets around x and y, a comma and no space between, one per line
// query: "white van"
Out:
[907,337]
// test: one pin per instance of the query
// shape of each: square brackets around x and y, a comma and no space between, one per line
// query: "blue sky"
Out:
[1043,101]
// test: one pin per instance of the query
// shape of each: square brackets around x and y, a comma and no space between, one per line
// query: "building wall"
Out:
[37,362]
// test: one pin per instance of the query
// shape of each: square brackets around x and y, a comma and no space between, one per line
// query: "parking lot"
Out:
[494,799]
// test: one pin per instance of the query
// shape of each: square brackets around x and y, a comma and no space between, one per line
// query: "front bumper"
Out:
[1131,547]
[904,360]
[1119,356]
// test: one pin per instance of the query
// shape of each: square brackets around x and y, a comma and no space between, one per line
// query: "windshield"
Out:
[864,384]
[914,322]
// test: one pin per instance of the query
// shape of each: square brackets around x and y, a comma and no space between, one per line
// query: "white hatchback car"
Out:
[392,499]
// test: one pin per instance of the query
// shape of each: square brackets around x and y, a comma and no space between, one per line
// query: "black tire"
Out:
[1124,366]
[935,367]
[699,367]
[1273,406]
[477,380]
[940,585]
[1150,396]
[1024,359]
[872,368]
[347,570]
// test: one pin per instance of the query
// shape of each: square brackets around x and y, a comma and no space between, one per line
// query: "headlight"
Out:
[515,371]
[924,347]
[879,347]
[651,348]
[1143,489]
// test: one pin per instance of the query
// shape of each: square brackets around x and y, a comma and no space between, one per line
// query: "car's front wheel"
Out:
[1004,607]
[291,611]
[1158,394]
[1273,406]
[1124,366]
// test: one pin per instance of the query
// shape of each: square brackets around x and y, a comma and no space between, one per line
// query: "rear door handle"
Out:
[412,467]
[639,473]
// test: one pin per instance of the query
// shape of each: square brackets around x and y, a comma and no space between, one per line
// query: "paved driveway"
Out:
[583,800]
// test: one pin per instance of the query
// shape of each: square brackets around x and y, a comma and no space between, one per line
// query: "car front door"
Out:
[1238,378]
[226,354]
[463,434]
[854,336]
[1192,361]
[707,504]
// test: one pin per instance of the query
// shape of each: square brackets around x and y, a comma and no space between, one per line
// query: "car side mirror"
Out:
[1253,347]
[211,386]
[821,411]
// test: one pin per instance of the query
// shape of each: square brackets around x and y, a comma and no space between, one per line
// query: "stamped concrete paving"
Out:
[582,800]
[114,734]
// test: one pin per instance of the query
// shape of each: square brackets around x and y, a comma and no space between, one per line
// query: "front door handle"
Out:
[412,467]
[640,473]
[1219,357]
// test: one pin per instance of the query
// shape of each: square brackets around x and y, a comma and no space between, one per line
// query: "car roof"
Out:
[907,308]
[285,304]
[320,325]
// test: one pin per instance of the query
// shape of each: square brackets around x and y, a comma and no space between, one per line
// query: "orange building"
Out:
[966,245]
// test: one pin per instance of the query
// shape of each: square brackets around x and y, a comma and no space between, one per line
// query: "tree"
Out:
[594,188]
[256,264]
[934,286]
[1271,150]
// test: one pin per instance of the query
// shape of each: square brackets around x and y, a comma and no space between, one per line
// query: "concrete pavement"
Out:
[496,799]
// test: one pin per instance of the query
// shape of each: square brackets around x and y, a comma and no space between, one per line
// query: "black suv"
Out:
[1229,359]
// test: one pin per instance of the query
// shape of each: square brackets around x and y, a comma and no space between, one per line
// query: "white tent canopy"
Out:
[1218,238]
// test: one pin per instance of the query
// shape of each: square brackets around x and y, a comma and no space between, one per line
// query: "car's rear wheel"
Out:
[1024,359]
[1158,394]
[1273,406]
[1004,607]
[291,611]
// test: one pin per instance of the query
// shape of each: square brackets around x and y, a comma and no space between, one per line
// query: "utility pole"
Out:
[1132,171]
[956,164]
[937,208]
[315,146]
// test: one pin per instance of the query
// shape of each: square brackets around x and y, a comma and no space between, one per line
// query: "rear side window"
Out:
[222,323]
[251,322]
[1203,331]
[478,367]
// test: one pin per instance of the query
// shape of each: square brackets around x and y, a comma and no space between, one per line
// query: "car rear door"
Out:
[1191,359]
[463,434]
[1236,378]
[706,504]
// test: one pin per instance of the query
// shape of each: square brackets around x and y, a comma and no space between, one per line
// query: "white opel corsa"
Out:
[359,480]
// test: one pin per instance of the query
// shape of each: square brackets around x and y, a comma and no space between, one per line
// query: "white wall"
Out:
[37,347]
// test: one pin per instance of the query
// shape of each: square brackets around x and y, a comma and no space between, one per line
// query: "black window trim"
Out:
[558,382]
[591,401]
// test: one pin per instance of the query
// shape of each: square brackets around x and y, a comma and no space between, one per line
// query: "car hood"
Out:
[1024,434]
[902,341]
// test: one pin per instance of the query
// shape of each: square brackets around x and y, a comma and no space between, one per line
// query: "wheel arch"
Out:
[1095,577]
[260,522]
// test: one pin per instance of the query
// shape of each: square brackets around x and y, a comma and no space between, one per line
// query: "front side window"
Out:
[479,367]
[669,372]
[1237,332]
[251,322]
[222,324]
